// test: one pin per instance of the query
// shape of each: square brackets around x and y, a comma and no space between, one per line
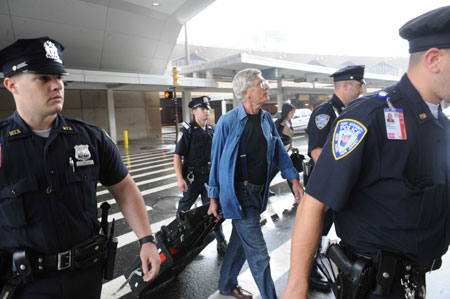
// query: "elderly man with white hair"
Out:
[245,146]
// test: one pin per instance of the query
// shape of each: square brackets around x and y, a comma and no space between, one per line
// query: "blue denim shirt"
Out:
[224,154]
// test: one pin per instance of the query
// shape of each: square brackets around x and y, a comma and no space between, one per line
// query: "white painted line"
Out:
[146,192]
[119,215]
[143,182]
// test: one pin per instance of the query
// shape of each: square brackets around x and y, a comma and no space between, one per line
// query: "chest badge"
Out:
[82,155]
[322,120]
[348,134]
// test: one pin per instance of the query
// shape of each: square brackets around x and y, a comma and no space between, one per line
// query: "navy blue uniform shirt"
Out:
[388,194]
[47,203]
[321,120]
[195,145]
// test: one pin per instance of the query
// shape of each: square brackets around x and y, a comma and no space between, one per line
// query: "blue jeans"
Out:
[247,243]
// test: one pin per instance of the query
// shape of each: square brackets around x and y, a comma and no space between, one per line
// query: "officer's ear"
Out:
[10,84]
[433,59]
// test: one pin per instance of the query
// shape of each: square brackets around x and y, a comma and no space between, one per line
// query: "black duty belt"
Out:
[201,170]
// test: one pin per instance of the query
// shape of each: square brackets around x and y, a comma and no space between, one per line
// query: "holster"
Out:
[110,258]
[90,252]
[356,274]
[307,169]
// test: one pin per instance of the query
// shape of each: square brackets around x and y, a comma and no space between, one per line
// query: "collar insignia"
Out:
[15,132]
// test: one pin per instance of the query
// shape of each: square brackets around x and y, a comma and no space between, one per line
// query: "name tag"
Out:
[395,124]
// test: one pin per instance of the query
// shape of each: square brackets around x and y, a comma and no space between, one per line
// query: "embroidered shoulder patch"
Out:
[348,134]
[322,120]
[180,135]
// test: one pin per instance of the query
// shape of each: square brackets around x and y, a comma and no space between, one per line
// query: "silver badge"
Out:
[51,51]
[82,154]
[205,100]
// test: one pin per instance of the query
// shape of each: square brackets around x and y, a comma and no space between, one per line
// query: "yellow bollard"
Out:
[125,138]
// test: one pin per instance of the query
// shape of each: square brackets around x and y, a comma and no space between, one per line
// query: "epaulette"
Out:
[4,122]
[76,120]
[187,127]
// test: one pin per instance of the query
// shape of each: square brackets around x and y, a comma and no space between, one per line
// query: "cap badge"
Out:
[51,51]
[205,100]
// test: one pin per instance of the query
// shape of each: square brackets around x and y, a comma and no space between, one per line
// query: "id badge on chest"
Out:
[395,124]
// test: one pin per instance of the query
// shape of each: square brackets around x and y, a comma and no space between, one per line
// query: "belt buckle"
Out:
[64,260]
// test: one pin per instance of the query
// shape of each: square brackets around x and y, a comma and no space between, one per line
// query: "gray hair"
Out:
[243,80]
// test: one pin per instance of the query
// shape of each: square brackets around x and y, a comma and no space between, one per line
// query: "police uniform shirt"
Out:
[48,185]
[321,120]
[388,194]
[195,145]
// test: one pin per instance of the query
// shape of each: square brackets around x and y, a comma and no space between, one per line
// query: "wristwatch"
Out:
[147,239]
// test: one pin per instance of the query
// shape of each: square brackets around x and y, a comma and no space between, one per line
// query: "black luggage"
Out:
[178,244]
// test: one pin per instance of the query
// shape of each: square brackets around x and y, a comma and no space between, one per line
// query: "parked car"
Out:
[299,121]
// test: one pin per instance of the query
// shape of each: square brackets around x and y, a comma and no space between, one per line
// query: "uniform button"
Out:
[49,190]
[52,172]
[13,192]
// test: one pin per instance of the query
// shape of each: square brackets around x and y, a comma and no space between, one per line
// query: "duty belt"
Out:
[202,170]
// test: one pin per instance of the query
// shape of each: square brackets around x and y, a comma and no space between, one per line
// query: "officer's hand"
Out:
[149,255]
[298,190]
[213,207]
[182,185]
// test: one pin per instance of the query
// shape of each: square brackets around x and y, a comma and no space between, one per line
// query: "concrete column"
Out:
[186,111]
[224,106]
[186,46]
[111,114]
[209,74]
[279,94]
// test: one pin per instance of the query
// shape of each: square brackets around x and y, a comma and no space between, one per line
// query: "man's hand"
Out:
[181,183]
[213,207]
[149,255]
[297,188]
[293,294]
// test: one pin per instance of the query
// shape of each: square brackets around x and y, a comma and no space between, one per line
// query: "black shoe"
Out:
[221,247]
[317,281]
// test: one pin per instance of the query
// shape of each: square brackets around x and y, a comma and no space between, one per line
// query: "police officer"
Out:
[387,182]
[194,145]
[348,85]
[49,168]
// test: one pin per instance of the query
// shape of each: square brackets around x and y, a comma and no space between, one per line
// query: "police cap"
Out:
[351,72]
[36,55]
[202,102]
[430,30]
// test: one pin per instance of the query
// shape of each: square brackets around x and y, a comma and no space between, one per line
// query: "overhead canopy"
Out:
[107,35]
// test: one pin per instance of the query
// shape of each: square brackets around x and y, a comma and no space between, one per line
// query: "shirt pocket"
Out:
[426,201]
[12,209]
[80,192]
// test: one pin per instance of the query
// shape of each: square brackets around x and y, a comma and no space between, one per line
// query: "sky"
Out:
[325,27]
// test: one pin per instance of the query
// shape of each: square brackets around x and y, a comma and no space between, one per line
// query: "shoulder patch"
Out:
[322,121]
[180,135]
[348,134]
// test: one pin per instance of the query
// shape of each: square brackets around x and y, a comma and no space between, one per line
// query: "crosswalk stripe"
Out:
[146,192]
[143,182]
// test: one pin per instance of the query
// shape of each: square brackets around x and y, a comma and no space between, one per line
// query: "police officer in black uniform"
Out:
[194,145]
[348,85]
[388,183]
[50,240]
